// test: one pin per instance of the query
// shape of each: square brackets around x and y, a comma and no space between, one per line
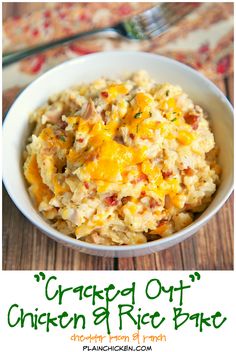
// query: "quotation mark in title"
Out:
[195,276]
[40,276]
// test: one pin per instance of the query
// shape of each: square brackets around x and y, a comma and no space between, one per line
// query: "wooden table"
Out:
[26,248]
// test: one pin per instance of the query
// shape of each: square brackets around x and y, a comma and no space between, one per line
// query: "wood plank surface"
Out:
[26,248]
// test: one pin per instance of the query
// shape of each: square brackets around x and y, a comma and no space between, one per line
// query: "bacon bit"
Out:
[166,174]
[192,120]
[132,136]
[112,200]
[187,206]
[86,185]
[142,177]
[153,203]
[143,193]
[80,140]
[104,94]
[188,171]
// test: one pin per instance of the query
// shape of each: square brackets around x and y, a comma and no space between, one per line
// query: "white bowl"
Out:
[113,64]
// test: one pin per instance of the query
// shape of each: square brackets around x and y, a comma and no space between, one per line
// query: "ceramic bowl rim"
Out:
[56,235]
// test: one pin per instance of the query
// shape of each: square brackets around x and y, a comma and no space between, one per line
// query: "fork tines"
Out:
[158,19]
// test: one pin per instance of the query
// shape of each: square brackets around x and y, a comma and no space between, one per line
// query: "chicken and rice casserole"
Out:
[121,162]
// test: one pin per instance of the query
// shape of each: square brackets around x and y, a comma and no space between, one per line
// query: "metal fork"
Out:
[147,25]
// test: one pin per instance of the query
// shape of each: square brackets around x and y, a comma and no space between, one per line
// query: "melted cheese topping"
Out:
[38,189]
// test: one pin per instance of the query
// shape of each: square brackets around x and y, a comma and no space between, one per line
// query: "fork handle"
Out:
[12,57]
